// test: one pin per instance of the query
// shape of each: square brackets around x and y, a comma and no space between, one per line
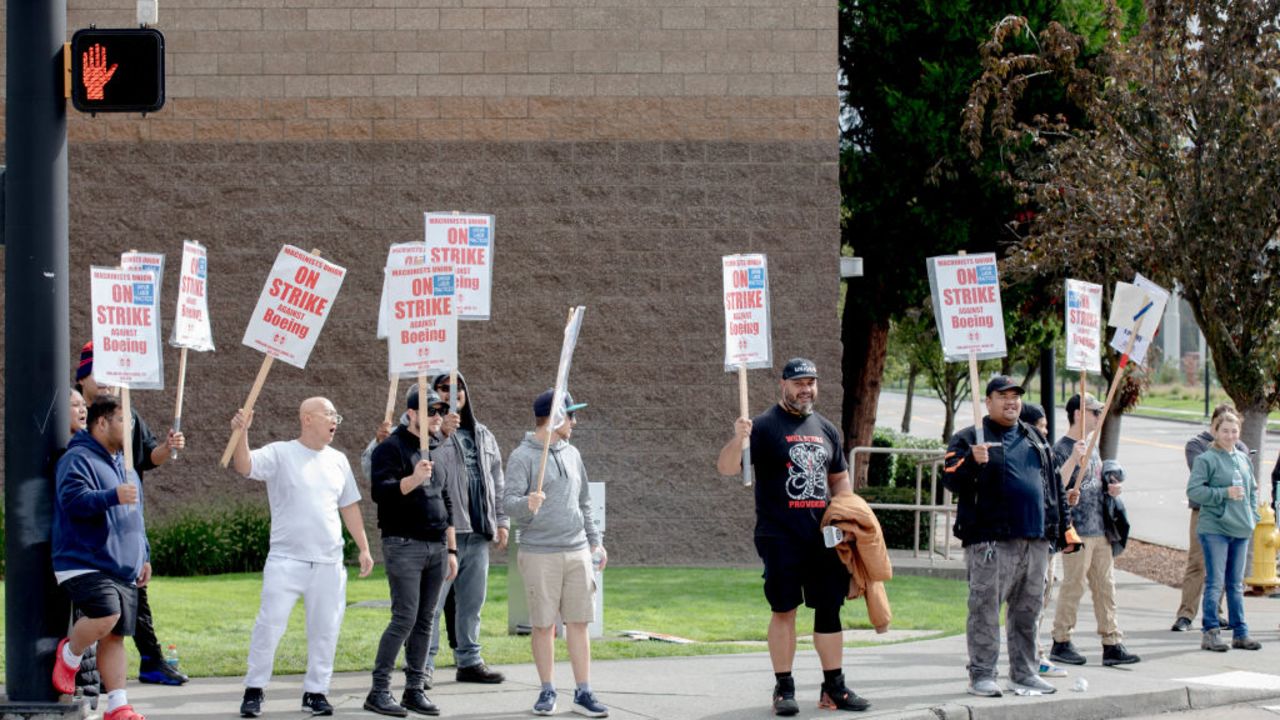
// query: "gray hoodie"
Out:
[564,521]
[450,466]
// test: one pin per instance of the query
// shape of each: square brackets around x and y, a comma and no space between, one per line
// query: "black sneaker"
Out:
[251,705]
[835,696]
[479,674]
[417,701]
[1065,652]
[784,697]
[161,674]
[1118,655]
[381,702]
[1182,624]
[316,704]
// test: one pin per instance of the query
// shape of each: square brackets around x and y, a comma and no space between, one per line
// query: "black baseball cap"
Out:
[542,404]
[411,398]
[799,368]
[1001,383]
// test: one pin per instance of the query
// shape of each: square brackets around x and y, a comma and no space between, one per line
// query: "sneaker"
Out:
[784,697]
[546,703]
[479,674]
[1032,683]
[585,703]
[1182,624]
[1118,655]
[1065,652]
[1210,640]
[984,688]
[251,706]
[161,674]
[417,701]
[64,675]
[381,702]
[1048,669]
[835,696]
[316,704]
[124,712]
[1245,643]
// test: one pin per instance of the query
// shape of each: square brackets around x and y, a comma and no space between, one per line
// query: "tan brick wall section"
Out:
[490,70]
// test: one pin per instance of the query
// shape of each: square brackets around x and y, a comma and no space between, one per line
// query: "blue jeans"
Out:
[415,572]
[1224,558]
[469,589]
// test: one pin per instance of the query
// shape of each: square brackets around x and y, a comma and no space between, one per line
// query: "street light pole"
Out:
[37,366]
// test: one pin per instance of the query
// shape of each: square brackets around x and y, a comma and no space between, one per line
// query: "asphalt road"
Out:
[1151,452]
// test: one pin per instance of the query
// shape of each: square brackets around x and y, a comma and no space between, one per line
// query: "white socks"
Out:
[69,657]
[116,699]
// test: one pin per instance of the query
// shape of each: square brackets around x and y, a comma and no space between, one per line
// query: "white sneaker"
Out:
[1034,684]
[984,688]
[1048,669]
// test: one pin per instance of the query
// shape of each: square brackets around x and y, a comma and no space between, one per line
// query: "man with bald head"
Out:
[310,487]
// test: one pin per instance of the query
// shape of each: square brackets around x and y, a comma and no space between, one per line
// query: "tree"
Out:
[911,189]
[1168,167]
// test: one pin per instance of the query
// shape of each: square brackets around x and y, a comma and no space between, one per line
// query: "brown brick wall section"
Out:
[634,231]
[495,70]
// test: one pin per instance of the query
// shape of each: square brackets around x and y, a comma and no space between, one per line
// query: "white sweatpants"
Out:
[323,589]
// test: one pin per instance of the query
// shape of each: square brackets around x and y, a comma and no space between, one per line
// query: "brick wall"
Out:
[623,147]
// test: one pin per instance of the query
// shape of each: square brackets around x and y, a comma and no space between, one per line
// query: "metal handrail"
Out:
[932,458]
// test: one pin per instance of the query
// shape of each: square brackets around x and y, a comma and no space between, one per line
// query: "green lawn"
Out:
[209,618]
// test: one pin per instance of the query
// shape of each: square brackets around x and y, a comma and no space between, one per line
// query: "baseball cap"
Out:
[542,404]
[799,368]
[1090,403]
[1001,383]
[411,398]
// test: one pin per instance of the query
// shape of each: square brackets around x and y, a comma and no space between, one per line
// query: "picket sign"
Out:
[966,309]
[747,336]
[191,329]
[295,302]
[571,330]
[1083,322]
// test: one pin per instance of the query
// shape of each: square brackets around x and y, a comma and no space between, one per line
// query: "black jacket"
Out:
[423,514]
[979,489]
[1115,522]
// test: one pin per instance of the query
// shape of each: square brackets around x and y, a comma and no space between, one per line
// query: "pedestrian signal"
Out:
[117,70]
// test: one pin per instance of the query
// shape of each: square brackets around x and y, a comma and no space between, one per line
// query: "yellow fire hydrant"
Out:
[1266,541]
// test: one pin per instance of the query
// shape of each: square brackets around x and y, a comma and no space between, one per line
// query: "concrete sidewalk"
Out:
[924,679]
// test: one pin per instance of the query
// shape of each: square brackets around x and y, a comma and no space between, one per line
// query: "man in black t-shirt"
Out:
[799,466]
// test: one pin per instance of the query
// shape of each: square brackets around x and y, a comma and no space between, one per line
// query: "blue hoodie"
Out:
[91,529]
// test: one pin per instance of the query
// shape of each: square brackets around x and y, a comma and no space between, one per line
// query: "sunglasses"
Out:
[434,411]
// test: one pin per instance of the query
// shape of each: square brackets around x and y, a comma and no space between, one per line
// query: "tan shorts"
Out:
[561,584]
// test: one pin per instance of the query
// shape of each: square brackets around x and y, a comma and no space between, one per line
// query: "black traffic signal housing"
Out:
[117,70]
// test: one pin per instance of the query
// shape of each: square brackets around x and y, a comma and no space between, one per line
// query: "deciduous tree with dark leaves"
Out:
[1169,166]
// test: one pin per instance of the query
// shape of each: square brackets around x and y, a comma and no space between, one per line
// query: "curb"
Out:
[1083,707]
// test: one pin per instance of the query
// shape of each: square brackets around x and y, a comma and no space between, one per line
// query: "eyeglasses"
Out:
[434,411]
[334,416]
[1096,413]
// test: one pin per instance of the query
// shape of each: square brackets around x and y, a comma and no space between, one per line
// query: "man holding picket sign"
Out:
[127,329]
[1012,512]
[799,466]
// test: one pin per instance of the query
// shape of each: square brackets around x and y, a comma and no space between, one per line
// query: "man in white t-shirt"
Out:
[309,486]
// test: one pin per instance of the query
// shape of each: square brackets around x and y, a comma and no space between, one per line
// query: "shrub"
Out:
[897,524]
[235,538]
[897,470]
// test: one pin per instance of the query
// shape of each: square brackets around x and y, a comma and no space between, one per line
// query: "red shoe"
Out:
[124,712]
[64,675]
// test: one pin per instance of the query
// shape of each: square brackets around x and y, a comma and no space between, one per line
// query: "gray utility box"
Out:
[518,606]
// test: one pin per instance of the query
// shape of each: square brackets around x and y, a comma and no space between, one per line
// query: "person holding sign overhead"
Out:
[310,487]
[1012,515]
[148,454]
[799,467]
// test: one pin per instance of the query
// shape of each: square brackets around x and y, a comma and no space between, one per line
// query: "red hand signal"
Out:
[96,72]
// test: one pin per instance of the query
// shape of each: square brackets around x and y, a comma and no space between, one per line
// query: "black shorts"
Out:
[795,573]
[99,595]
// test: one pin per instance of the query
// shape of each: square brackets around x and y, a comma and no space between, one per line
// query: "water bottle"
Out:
[596,558]
[171,656]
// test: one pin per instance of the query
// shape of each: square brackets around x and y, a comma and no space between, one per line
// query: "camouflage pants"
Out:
[1012,572]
